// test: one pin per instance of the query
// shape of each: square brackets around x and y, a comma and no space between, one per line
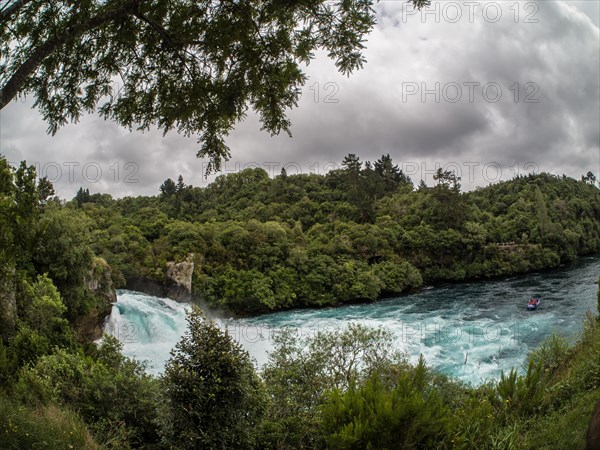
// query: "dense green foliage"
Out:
[355,234]
[42,238]
[215,399]
[300,371]
[109,392]
[264,244]
[412,407]
[405,415]
[338,389]
[63,389]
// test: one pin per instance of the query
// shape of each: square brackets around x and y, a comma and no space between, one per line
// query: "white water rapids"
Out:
[471,331]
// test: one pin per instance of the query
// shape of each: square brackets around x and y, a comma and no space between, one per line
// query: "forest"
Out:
[261,244]
[355,234]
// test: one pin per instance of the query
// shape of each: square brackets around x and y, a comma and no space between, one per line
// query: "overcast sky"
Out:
[488,89]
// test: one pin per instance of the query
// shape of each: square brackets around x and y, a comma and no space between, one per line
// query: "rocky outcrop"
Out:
[8,303]
[179,279]
[177,284]
[100,286]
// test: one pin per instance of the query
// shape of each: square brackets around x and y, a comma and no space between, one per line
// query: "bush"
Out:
[27,346]
[64,253]
[215,399]
[111,393]
[373,416]
[398,276]
[43,311]
[300,371]
[552,353]
[522,395]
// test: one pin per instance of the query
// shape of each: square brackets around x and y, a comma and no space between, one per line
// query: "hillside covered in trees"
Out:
[263,244]
[354,234]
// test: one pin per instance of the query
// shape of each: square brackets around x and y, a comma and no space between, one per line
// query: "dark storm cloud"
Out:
[376,111]
[554,62]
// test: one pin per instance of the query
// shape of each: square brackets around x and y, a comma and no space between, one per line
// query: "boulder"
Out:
[99,284]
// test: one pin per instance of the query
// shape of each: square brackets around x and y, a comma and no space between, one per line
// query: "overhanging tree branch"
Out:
[195,66]
[19,78]
[11,9]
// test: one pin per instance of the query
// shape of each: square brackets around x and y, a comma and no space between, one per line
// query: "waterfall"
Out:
[472,331]
[147,326]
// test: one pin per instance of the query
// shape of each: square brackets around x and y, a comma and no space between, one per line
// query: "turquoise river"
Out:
[468,330]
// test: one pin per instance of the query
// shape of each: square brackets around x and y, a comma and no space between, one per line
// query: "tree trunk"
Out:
[14,85]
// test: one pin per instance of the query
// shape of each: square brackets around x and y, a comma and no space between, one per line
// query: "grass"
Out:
[45,427]
[572,392]
[564,428]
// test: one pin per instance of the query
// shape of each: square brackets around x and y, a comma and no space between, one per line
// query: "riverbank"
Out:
[248,244]
[156,289]
[471,331]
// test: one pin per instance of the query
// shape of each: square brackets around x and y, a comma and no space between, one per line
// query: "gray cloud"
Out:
[371,114]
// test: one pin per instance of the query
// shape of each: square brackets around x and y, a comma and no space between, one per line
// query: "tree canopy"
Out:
[355,234]
[194,66]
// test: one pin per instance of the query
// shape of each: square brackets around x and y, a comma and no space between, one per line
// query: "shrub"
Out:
[522,395]
[215,399]
[373,416]
[111,393]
